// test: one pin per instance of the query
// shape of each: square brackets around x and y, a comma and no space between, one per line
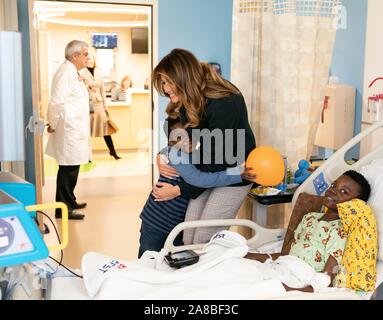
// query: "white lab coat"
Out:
[68,114]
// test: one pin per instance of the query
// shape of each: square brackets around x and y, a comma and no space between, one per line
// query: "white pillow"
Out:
[374,174]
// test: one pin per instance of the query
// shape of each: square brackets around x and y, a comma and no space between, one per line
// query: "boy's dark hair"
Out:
[365,188]
[169,124]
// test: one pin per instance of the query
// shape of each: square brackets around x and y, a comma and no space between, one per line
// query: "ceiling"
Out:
[92,14]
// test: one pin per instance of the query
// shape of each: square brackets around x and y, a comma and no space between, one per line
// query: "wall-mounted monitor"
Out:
[140,40]
[104,40]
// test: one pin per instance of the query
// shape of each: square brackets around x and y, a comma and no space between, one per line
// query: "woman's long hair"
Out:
[194,81]
[91,69]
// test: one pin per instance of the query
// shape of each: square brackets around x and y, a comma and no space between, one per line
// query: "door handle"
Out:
[35,124]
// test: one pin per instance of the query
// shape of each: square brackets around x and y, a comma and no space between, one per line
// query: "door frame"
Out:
[38,140]
[35,76]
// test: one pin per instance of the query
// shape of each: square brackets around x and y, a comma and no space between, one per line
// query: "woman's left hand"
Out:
[247,175]
[163,191]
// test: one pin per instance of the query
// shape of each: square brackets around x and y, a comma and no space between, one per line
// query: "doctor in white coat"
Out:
[68,125]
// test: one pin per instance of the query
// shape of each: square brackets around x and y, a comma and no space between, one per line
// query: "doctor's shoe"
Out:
[79,205]
[72,215]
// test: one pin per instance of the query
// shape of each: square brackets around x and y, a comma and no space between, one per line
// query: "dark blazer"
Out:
[225,113]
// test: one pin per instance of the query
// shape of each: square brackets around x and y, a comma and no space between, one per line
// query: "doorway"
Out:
[115,190]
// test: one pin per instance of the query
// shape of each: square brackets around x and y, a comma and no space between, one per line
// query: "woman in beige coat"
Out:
[99,117]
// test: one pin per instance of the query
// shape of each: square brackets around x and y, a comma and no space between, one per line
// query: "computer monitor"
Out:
[104,40]
[140,40]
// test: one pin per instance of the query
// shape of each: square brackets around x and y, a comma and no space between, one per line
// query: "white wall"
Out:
[137,66]
[373,67]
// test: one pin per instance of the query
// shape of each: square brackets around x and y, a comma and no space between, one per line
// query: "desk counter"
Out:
[133,118]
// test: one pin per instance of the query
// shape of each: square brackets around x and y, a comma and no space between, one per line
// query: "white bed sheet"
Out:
[68,288]
[73,288]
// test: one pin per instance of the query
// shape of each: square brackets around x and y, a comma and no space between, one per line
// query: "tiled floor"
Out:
[115,192]
[103,165]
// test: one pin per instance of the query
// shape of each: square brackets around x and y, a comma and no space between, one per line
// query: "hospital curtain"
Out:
[281,55]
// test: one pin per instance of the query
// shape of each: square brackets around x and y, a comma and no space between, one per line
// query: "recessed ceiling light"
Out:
[45,6]
[95,23]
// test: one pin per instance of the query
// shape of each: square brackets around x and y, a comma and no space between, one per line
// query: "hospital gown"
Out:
[315,241]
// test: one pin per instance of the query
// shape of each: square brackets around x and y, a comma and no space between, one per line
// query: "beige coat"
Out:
[68,115]
[97,99]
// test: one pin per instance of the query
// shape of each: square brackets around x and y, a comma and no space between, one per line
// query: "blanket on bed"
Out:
[221,273]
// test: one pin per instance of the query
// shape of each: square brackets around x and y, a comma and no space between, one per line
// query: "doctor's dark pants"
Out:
[65,184]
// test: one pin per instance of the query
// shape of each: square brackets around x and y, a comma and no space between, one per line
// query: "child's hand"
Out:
[164,169]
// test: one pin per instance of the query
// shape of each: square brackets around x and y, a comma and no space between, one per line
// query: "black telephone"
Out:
[181,258]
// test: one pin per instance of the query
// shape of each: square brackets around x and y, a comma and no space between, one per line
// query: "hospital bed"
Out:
[269,240]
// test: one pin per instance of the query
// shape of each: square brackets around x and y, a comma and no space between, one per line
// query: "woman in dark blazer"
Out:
[214,113]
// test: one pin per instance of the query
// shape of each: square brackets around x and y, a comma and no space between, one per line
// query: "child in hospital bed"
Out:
[160,217]
[341,239]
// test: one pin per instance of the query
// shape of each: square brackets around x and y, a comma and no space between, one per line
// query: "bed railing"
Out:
[336,164]
[261,235]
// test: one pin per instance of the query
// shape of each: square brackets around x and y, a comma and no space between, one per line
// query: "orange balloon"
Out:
[267,164]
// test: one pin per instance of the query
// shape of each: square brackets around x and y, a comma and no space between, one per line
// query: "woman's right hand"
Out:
[164,169]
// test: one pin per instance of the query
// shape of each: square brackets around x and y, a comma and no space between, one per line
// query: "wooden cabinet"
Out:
[134,123]
[141,121]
